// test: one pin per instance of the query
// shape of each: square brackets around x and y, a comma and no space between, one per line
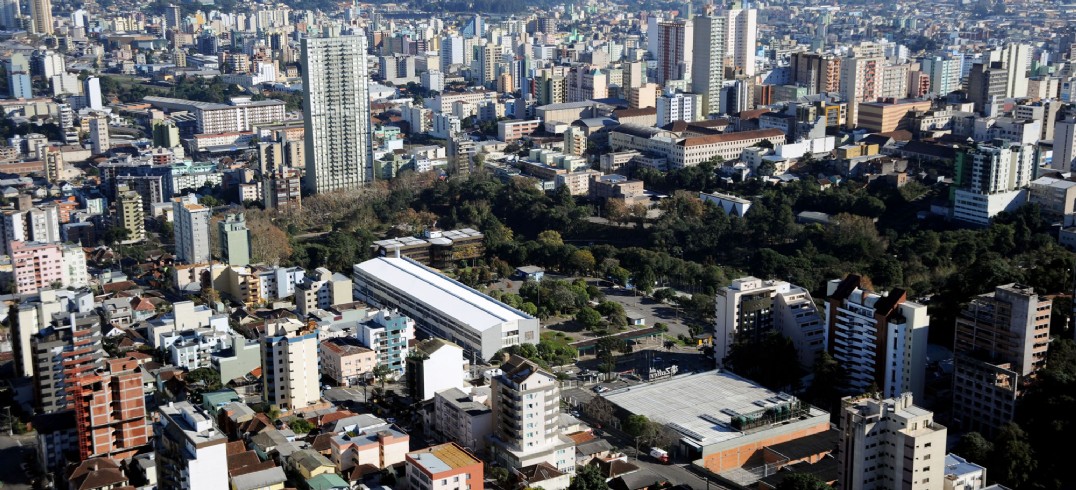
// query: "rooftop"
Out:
[441,458]
[451,298]
[704,406]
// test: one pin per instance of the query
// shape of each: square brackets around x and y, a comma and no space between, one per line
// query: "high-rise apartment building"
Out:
[36,266]
[742,27]
[235,239]
[708,61]
[130,216]
[889,443]
[1064,144]
[99,137]
[1001,341]
[62,352]
[191,229]
[110,413]
[321,289]
[677,106]
[991,178]
[820,73]
[191,452]
[526,418]
[1017,60]
[575,141]
[751,308]
[451,52]
[944,73]
[41,16]
[861,81]
[388,334]
[987,83]
[881,339]
[336,111]
[675,50]
[290,365]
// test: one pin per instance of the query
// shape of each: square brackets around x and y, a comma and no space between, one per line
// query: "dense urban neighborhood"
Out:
[556,245]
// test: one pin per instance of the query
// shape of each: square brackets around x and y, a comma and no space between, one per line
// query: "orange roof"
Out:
[728,137]
[582,436]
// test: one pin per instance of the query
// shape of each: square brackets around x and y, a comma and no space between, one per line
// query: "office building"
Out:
[742,27]
[336,111]
[434,365]
[708,62]
[235,239]
[238,115]
[63,351]
[443,467]
[1001,341]
[675,50]
[750,308]
[41,17]
[526,418]
[443,307]
[889,443]
[191,452]
[110,412]
[290,374]
[191,225]
[880,339]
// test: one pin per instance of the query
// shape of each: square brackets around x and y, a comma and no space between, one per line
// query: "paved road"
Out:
[652,311]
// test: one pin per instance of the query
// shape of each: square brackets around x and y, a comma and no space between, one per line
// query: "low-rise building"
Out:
[346,361]
[434,365]
[443,467]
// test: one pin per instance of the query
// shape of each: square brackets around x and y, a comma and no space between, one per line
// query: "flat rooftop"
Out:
[701,406]
[449,297]
[442,458]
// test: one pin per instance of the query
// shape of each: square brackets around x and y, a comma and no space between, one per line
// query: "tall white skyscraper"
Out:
[451,52]
[191,230]
[889,443]
[1017,59]
[708,62]
[943,72]
[1064,145]
[742,26]
[674,107]
[92,90]
[10,11]
[336,110]
[41,14]
[293,344]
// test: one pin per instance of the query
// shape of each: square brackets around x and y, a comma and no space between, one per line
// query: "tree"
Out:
[588,478]
[802,481]
[301,426]
[771,361]
[975,448]
[636,425]
[601,410]
[589,318]
[1013,461]
[381,373]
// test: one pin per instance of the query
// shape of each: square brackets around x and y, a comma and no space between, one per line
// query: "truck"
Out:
[660,455]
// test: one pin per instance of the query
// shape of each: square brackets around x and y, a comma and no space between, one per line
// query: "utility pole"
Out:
[10,425]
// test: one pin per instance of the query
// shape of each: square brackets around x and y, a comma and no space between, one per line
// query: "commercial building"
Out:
[290,365]
[436,248]
[683,150]
[191,452]
[889,443]
[434,365]
[443,307]
[880,339]
[887,116]
[235,239]
[1001,341]
[750,308]
[191,229]
[526,418]
[443,467]
[336,111]
[722,419]
[516,129]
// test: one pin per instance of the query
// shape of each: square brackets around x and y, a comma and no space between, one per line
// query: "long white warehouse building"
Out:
[442,307]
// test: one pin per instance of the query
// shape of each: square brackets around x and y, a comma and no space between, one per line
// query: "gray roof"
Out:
[259,479]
